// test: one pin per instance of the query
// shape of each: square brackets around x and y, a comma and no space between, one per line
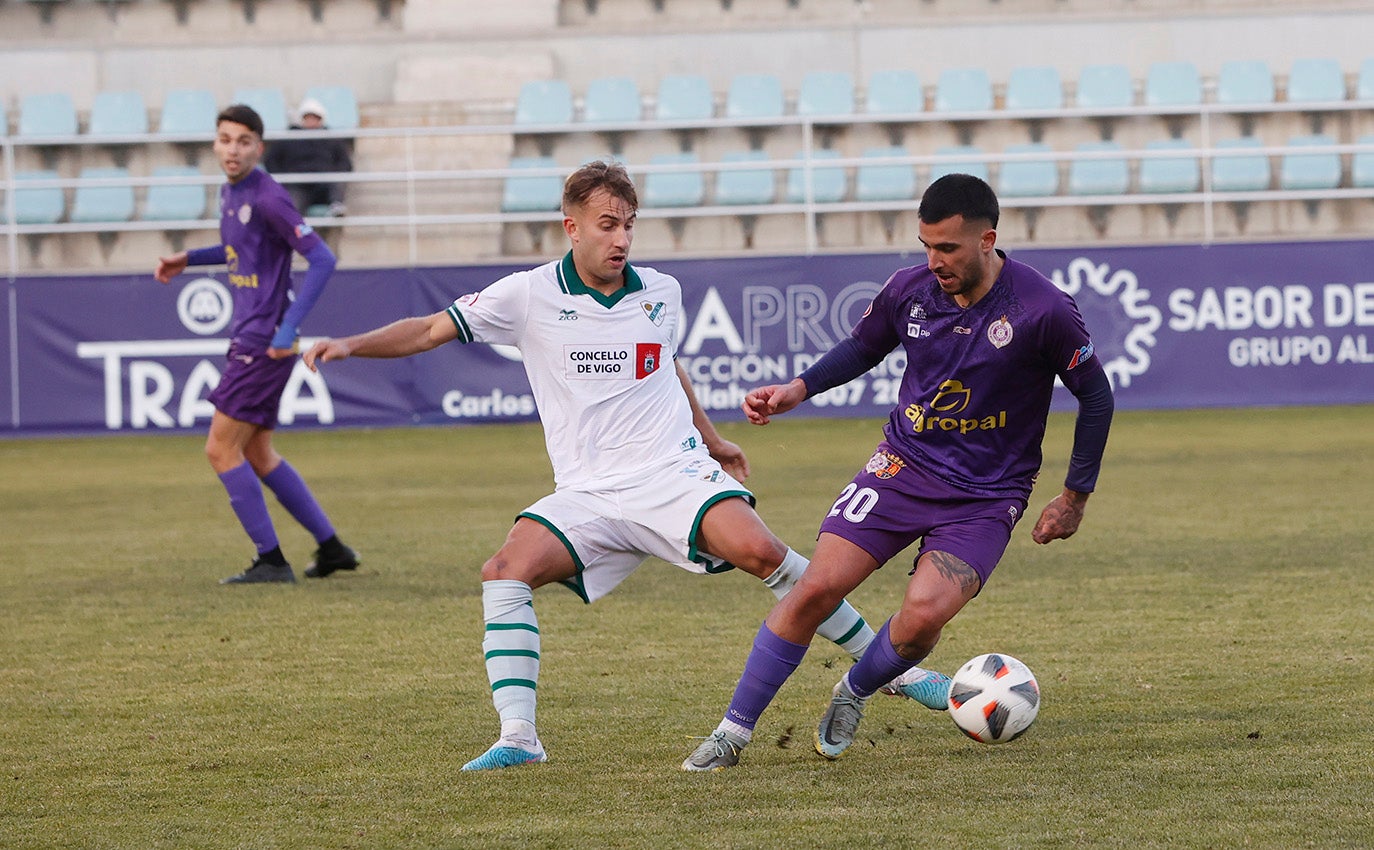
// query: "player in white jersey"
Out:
[638,468]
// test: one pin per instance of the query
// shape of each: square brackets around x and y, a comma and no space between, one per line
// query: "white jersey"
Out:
[601,368]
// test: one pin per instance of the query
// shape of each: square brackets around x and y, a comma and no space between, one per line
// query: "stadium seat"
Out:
[1310,170]
[118,113]
[685,188]
[40,204]
[828,182]
[612,100]
[746,187]
[270,105]
[963,90]
[175,201]
[188,112]
[1028,178]
[1105,87]
[885,181]
[826,93]
[51,114]
[754,96]
[684,97]
[109,203]
[544,102]
[1173,84]
[1099,175]
[1315,81]
[895,92]
[4,120]
[975,167]
[1245,83]
[742,187]
[532,193]
[1364,84]
[1235,168]
[1034,87]
[342,104]
[1169,175]
[1362,164]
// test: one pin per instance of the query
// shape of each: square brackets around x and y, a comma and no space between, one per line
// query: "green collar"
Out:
[571,283]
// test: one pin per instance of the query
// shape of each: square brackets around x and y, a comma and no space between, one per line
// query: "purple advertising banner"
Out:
[1179,326]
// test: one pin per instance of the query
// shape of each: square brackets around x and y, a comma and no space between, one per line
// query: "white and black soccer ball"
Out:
[994,698]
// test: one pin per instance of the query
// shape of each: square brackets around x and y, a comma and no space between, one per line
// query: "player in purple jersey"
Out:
[985,337]
[259,230]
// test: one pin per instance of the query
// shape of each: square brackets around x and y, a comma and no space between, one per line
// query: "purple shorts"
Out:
[892,503]
[250,388]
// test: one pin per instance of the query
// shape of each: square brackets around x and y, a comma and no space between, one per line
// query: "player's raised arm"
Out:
[401,338]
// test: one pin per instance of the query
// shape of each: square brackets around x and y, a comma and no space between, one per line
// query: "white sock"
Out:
[743,733]
[845,626]
[511,647]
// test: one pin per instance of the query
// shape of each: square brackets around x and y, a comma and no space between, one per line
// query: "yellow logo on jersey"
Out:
[950,399]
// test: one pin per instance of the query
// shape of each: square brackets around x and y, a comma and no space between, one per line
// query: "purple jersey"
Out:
[260,228]
[976,390]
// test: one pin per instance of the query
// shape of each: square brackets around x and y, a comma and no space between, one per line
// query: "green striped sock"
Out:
[511,648]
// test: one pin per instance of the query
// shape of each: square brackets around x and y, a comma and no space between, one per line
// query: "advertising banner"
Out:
[1176,326]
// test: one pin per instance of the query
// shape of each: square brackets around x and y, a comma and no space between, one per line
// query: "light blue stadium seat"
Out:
[1364,84]
[754,96]
[1315,81]
[1362,165]
[1034,87]
[188,112]
[544,102]
[1235,168]
[684,97]
[1105,87]
[896,92]
[341,102]
[745,186]
[532,193]
[826,93]
[51,114]
[118,113]
[676,188]
[612,100]
[1173,84]
[1244,81]
[977,168]
[37,205]
[1170,175]
[1099,176]
[828,182]
[1028,178]
[175,201]
[103,203]
[269,103]
[1316,170]
[885,181]
[963,90]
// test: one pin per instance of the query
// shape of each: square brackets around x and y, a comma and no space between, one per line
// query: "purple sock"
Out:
[245,497]
[880,665]
[295,496]
[770,663]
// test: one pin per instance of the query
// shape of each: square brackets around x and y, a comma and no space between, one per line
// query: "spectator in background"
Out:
[308,155]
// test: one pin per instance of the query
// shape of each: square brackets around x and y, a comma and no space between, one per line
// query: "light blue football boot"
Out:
[504,755]
[927,687]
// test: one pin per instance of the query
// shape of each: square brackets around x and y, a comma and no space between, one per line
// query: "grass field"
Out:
[1205,647]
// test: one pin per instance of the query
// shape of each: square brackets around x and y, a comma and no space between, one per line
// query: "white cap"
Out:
[311,106]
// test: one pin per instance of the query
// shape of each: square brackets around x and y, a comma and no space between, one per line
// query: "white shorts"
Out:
[609,533]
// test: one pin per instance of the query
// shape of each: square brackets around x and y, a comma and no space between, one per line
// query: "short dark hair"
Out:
[599,174]
[241,113]
[958,194]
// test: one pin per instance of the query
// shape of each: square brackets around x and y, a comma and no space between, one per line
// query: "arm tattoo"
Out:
[954,570]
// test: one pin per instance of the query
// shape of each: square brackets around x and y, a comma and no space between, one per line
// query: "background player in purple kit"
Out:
[259,230]
[985,337]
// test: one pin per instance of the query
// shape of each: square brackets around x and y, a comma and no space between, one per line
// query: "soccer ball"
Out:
[994,698]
